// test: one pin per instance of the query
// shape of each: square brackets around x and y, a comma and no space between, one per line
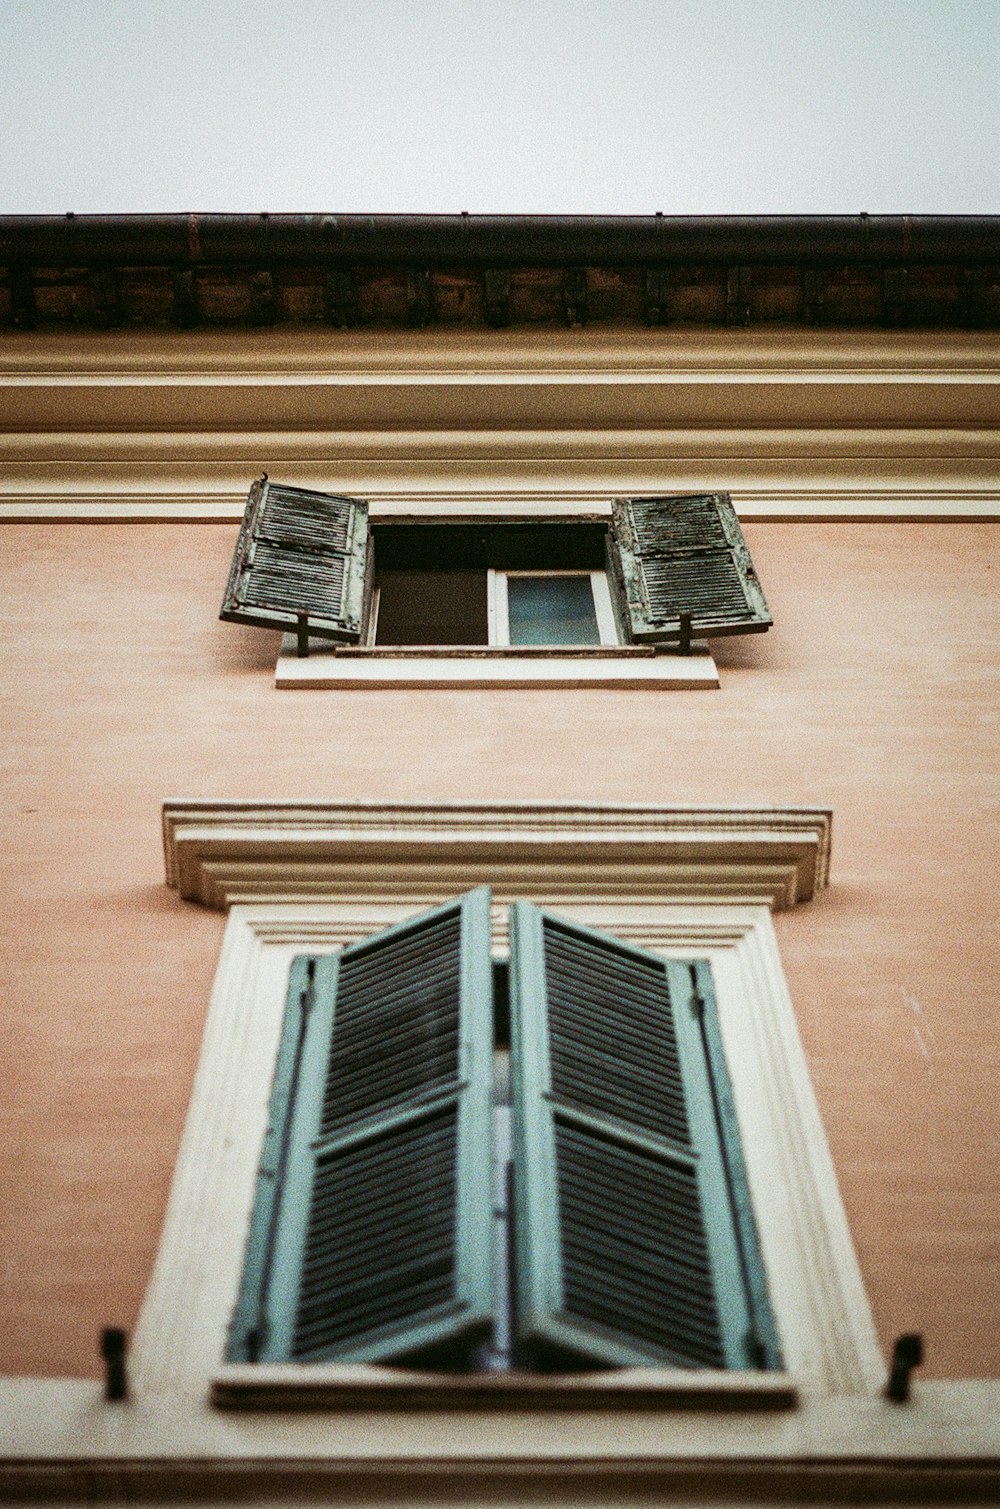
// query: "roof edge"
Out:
[497,241]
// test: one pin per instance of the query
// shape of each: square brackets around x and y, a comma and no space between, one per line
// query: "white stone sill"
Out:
[315,1386]
[624,667]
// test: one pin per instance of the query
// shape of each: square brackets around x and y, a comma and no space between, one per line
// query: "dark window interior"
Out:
[432,577]
[501,1003]
[431,607]
[506,547]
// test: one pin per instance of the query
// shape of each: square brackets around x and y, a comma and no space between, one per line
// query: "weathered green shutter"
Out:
[371,1236]
[628,1246]
[670,556]
[301,551]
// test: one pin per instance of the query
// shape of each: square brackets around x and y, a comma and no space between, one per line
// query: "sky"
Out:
[523,107]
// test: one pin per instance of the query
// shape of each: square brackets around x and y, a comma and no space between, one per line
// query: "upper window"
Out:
[478,1167]
[491,584]
[665,569]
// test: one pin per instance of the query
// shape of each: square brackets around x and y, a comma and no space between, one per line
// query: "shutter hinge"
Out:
[256,1339]
[698,1005]
[755,1348]
[308,996]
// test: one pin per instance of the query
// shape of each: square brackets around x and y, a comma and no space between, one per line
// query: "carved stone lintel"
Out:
[218,853]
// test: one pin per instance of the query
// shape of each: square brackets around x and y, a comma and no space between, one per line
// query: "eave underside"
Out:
[374,272]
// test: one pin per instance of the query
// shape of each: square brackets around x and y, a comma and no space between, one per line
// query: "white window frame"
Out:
[717,906]
[498,613]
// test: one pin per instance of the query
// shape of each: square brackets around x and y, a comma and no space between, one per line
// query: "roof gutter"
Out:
[497,241]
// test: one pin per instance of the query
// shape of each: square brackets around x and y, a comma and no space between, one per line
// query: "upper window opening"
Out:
[506,584]
[499,585]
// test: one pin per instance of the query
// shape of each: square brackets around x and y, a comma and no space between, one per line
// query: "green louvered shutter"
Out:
[371,1236]
[670,556]
[628,1243]
[301,551]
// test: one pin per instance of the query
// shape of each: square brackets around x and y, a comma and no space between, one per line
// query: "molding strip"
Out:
[764,492]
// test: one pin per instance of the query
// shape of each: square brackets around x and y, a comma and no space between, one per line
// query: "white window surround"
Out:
[677,881]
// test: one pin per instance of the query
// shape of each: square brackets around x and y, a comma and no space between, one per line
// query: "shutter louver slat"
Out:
[609,990]
[384,1243]
[395,1034]
[301,551]
[360,1277]
[683,555]
[649,1289]
[627,1250]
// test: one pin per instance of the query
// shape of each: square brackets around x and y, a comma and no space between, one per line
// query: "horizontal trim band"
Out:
[849,505]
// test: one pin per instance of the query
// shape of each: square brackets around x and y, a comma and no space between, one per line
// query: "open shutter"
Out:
[301,551]
[371,1236]
[628,1249]
[683,555]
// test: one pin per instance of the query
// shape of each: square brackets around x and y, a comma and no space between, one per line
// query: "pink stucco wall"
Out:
[876,695]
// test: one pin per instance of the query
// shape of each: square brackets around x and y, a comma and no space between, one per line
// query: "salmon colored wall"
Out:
[876,695]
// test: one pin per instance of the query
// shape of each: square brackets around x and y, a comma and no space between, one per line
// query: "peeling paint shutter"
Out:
[683,555]
[301,550]
[371,1236]
[628,1248]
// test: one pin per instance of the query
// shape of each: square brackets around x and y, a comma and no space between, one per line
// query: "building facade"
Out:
[192,804]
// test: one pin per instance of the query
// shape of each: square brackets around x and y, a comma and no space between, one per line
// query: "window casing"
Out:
[602,878]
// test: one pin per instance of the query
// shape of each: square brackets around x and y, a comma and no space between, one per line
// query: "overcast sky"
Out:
[530,106]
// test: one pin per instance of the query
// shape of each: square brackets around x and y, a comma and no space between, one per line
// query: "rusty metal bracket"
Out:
[496,297]
[738,280]
[341,299]
[657,296]
[574,295]
[264,298]
[684,642]
[419,298]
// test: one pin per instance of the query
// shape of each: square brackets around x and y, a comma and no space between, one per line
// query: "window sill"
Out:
[621,666]
[315,1386]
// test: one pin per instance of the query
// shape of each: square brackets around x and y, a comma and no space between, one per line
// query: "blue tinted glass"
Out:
[551,610]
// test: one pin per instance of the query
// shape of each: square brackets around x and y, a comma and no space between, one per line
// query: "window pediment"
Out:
[223,852]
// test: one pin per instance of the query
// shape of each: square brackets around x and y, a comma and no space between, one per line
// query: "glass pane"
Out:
[551,610]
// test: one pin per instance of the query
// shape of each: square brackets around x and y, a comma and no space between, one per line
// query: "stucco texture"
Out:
[875,695]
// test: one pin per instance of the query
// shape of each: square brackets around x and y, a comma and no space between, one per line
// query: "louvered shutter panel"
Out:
[670,556]
[301,551]
[628,1250]
[371,1237]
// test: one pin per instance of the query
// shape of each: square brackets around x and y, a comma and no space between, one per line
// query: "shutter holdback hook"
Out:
[114,1343]
[907,1354]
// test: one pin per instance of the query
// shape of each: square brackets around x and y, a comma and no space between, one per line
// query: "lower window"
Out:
[476,1166]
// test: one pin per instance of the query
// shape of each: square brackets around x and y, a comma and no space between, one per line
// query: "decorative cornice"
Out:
[794,424]
[218,853]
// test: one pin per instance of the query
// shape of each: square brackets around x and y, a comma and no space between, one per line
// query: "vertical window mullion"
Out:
[606,626]
[498,614]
